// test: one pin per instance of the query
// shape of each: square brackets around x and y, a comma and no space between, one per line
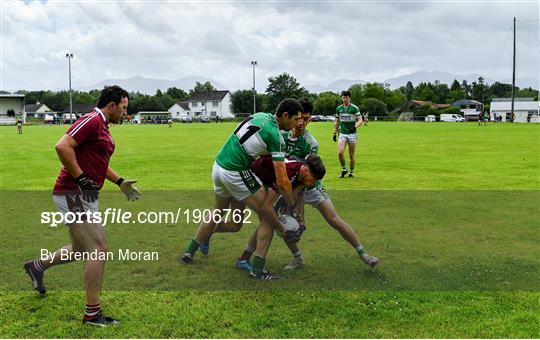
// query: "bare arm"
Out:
[112,175]
[283,183]
[65,148]
[359,121]
[336,126]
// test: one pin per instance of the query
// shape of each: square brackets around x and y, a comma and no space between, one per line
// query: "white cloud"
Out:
[316,42]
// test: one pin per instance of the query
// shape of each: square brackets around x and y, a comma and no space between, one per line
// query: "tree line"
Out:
[376,98]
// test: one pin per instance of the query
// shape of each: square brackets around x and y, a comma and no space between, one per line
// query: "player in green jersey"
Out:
[348,119]
[233,179]
[300,144]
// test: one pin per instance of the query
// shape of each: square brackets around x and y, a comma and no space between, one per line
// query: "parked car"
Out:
[430,118]
[330,118]
[454,117]
[205,119]
[186,119]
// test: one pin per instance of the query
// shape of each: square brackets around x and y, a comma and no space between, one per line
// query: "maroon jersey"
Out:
[94,149]
[263,167]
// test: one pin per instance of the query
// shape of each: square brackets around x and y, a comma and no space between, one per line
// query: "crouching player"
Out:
[300,143]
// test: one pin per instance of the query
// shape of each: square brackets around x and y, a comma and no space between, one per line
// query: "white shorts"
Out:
[237,184]
[74,203]
[349,137]
[315,196]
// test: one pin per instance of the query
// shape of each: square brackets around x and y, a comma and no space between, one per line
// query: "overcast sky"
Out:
[317,42]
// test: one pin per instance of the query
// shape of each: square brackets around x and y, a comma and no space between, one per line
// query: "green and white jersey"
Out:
[300,147]
[347,118]
[256,136]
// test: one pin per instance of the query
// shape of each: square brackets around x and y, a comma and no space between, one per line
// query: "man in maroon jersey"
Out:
[85,151]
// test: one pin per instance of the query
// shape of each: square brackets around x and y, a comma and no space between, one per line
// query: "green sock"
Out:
[359,249]
[352,170]
[257,265]
[192,247]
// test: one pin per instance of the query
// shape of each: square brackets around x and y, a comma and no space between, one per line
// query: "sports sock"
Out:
[297,254]
[90,311]
[39,265]
[352,170]
[258,265]
[344,168]
[359,249]
[192,247]
[246,255]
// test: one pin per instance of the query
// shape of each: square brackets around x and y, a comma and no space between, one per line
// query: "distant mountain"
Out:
[337,86]
[151,85]
[447,78]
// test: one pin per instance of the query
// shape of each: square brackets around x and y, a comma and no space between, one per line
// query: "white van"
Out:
[446,117]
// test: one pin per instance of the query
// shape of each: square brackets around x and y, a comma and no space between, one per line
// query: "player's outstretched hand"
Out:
[128,189]
[334,137]
[89,189]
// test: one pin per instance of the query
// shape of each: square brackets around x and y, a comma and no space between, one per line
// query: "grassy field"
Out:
[451,210]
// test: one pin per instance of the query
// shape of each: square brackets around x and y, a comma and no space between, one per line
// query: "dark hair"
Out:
[289,105]
[111,94]
[316,166]
[307,107]
[346,93]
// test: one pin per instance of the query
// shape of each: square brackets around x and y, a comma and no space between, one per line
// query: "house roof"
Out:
[81,108]
[423,102]
[212,95]
[184,105]
[33,107]
[465,102]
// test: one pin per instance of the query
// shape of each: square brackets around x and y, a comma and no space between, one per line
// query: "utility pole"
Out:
[254,63]
[69,56]
[513,73]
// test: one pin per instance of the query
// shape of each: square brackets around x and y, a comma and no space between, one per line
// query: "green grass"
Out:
[459,259]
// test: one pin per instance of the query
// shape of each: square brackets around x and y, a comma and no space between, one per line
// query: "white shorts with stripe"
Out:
[237,184]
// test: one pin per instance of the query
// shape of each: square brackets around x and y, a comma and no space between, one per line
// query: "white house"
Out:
[37,110]
[179,110]
[524,109]
[11,105]
[211,104]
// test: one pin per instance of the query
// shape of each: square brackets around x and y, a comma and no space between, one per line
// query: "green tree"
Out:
[199,87]
[500,90]
[409,90]
[176,93]
[374,106]
[326,104]
[242,101]
[281,87]
[394,100]
[374,90]
[357,94]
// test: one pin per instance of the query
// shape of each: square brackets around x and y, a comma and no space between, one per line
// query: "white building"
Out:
[524,109]
[211,104]
[37,110]
[11,105]
[179,110]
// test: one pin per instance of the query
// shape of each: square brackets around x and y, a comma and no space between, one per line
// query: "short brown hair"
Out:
[316,166]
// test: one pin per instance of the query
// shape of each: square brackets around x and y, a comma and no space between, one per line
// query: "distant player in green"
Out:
[234,180]
[300,144]
[348,119]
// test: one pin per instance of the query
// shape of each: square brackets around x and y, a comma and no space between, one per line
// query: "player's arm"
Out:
[65,149]
[282,182]
[359,121]
[126,185]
